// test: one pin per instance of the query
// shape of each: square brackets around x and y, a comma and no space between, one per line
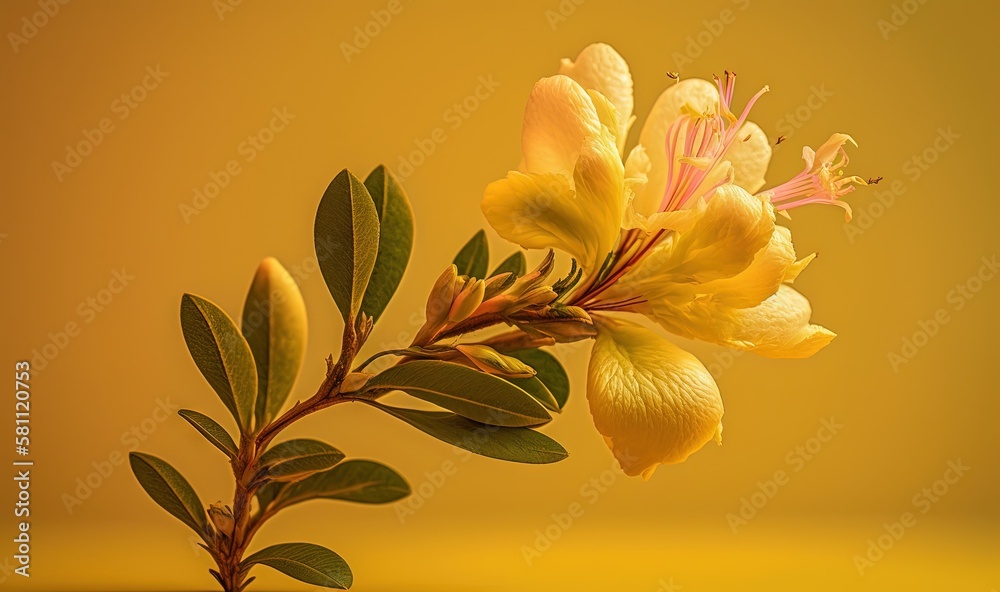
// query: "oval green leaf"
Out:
[306,562]
[361,481]
[521,445]
[395,240]
[171,491]
[548,370]
[515,264]
[274,325]
[213,432]
[474,258]
[222,355]
[476,395]
[346,236]
[537,389]
[295,459]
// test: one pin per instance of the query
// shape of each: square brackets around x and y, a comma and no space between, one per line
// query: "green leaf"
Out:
[474,258]
[222,355]
[470,393]
[521,445]
[361,481]
[537,389]
[548,370]
[307,562]
[346,237]
[491,361]
[515,264]
[395,240]
[274,325]
[213,432]
[294,459]
[171,491]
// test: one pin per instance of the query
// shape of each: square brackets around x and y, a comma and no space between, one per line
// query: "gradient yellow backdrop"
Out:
[914,82]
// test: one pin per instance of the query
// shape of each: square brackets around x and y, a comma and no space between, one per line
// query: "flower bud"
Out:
[441,296]
[467,301]
[491,361]
[354,382]
[222,518]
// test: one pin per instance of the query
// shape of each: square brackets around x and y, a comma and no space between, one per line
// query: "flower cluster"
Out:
[680,228]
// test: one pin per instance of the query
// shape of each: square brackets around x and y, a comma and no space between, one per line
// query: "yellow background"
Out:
[891,89]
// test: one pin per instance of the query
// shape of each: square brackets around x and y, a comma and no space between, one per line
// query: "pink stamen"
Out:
[706,139]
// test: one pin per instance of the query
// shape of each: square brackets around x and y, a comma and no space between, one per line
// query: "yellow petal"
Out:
[761,279]
[777,328]
[600,68]
[700,96]
[721,240]
[542,210]
[750,157]
[653,402]
[558,118]
[537,211]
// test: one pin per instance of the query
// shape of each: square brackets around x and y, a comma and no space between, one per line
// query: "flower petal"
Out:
[761,279]
[537,211]
[600,68]
[653,402]
[750,157]
[558,118]
[777,328]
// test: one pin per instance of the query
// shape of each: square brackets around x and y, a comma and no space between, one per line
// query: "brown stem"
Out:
[228,550]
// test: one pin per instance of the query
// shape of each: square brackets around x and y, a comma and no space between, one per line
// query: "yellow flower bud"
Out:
[467,301]
[222,518]
[441,296]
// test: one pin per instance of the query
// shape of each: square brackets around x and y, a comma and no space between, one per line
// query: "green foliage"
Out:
[474,258]
[522,445]
[171,491]
[306,562]
[360,481]
[395,240]
[346,236]
[274,325]
[294,459]
[515,264]
[478,396]
[222,355]
[548,370]
[213,432]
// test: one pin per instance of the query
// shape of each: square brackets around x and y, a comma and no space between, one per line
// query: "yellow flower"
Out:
[678,230]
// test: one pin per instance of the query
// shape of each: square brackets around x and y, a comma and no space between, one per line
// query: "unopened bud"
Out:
[354,382]
[467,301]
[491,361]
[442,294]
[222,518]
